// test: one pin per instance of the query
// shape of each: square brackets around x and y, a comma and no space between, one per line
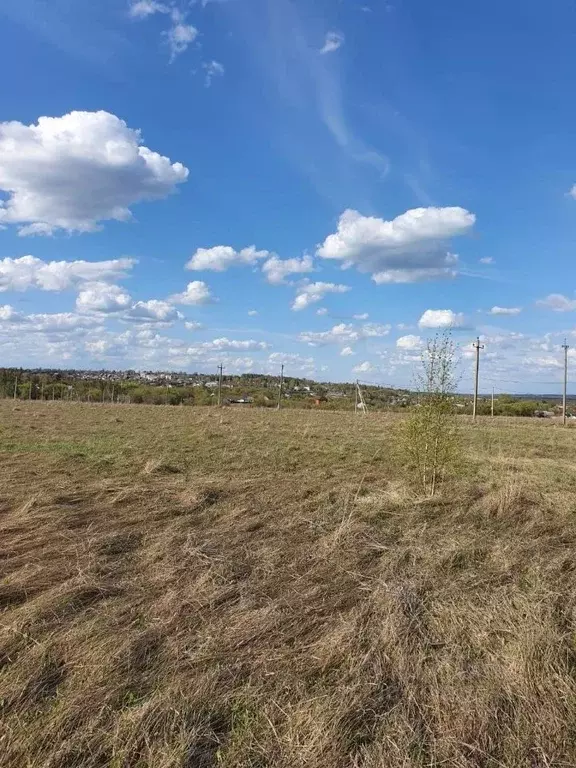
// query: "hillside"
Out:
[249,389]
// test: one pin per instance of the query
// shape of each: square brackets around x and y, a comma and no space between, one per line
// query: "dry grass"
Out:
[192,587]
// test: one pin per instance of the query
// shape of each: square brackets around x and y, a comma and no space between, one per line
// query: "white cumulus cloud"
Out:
[557,302]
[441,318]
[179,35]
[196,293]
[344,333]
[29,272]
[74,171]
[107,299]
[152,311]
[310,293]
[399,276]
[374,330]
[505,310]
[294,363]
[143,8]
[102,297]
[13,322]
[365,367]
[346,351]
[332,42]
[222,257]
[277,270]
[410,248]
[224,344]
[409,342]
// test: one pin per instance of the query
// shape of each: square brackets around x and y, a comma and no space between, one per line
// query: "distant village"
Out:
[180,388]
[247,389]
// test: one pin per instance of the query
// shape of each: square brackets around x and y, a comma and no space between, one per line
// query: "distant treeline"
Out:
[245,390]
[509,405]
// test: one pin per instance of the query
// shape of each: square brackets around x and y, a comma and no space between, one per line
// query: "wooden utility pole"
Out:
[30,390]
[362,404]
[477,346]
[565,347]
[16,388]
[356,398]
[220,369]
[492,408]
[281,387]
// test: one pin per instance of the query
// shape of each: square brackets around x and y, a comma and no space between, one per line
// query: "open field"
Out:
[200,587]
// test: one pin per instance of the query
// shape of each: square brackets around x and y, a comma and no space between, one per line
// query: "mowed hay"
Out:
[284,598]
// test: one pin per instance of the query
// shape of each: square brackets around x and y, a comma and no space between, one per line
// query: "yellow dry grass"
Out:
[192,588]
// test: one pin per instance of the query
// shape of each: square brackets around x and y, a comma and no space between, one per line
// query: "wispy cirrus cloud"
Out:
[285,48]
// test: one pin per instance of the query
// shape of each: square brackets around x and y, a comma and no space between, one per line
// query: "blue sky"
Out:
[323,184]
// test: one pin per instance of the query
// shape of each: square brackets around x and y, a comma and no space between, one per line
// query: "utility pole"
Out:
[30,390]
[281,386]
[362,404]
[492,409]
[220,369]
[477,346]
[356,398]
[565,347]
[16,388]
